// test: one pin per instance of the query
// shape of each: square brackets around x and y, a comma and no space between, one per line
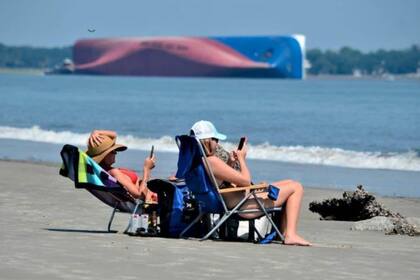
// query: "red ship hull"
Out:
[167,56]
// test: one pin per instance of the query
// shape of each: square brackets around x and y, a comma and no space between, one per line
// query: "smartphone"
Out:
[152,151]
[241,143]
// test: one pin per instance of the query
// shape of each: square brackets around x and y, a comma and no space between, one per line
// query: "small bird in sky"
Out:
[91,30]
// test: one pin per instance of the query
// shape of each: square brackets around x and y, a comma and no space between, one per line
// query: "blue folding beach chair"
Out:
[194,168]
[87,174]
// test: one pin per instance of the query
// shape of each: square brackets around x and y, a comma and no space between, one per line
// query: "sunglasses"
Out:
[114,152]
[215,140]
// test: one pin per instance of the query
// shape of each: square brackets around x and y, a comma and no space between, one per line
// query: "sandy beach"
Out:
[49,230]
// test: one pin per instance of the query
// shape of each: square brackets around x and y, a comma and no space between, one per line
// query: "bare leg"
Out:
[292,192]
[283,222]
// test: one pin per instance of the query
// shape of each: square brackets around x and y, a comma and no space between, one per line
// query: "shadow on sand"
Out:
[80,230]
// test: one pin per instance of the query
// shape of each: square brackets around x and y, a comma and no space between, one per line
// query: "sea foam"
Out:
[409,161]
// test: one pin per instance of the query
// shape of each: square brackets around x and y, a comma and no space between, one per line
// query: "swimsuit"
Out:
[130,173]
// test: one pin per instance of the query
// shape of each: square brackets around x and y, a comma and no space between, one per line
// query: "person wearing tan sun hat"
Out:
[102,148]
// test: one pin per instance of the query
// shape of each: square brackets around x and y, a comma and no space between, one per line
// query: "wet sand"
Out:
[49,230]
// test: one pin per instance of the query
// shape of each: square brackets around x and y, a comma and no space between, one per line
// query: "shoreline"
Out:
[320,77]
[50,230]
[384,77]
[22,71]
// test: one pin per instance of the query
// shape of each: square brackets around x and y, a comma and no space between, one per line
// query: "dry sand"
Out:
[49,230]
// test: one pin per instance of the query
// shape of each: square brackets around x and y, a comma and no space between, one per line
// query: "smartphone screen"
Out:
[152,151]
[241,143]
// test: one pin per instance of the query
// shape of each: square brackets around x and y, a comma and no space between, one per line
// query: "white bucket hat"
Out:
[205,129]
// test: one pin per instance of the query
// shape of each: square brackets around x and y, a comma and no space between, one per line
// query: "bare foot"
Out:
[296,240]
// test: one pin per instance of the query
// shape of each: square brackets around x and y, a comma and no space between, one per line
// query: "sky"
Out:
[327,24]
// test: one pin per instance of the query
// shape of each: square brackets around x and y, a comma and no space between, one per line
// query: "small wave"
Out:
[37,134]
[337,157]
[409,161]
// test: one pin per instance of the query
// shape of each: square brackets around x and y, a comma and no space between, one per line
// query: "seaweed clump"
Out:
[360,205]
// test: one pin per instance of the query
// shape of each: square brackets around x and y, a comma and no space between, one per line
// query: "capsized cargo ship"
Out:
[246,56]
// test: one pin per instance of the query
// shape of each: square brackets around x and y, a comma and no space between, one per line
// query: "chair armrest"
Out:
[150,202]
[262,185]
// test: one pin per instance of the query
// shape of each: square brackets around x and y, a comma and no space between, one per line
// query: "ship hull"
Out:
[259,57]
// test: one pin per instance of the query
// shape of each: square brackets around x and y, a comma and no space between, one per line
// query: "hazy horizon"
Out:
[328,24]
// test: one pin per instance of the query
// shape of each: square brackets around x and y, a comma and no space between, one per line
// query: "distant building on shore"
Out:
[67,67]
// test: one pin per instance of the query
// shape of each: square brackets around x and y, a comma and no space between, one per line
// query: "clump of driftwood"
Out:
[360,205]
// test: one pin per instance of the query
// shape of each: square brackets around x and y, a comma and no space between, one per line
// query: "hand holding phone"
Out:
[149,162]
[241,143]
[152,151]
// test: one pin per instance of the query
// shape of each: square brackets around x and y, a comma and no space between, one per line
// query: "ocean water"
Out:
[331,133]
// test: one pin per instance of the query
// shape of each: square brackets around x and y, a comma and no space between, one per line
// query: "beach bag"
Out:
[177,208]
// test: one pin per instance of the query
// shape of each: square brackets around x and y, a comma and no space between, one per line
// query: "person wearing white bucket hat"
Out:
[290,194]
[205,129]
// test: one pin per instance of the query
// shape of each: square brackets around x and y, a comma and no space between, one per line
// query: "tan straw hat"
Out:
[99,152]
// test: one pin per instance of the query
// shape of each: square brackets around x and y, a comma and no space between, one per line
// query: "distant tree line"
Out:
[31,57]
[345,61]
[348,61]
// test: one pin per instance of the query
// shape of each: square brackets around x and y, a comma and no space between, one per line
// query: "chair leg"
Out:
[268,217]
[111,218]
[181,235]
[252,230]
[259,236]
[138,204]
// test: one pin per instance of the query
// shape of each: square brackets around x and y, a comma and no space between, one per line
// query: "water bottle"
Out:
[144,222]
[134,224]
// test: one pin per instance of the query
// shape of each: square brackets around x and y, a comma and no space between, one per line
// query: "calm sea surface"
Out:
[367,125]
